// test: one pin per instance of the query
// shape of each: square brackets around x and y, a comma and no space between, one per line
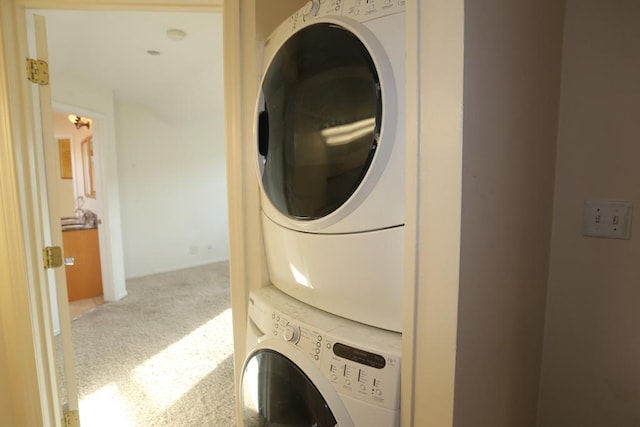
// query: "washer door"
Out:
[319,122]
[276,392]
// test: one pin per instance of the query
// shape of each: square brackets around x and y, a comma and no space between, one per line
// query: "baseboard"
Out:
[175,268]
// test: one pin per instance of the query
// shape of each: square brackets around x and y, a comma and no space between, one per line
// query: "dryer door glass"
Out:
[275,392]
[319,125]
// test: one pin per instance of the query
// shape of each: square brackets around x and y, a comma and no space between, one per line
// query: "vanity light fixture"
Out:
[79,121]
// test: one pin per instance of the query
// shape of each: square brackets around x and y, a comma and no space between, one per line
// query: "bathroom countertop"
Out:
[78,227]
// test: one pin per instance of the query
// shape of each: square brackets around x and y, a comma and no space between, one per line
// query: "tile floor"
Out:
[79,307]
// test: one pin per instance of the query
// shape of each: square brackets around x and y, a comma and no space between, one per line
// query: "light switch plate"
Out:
[607,218]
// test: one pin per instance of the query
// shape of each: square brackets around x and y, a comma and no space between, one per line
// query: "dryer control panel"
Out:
[358,360]
[359,10]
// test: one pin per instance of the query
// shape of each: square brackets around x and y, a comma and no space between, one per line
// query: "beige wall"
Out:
[591,361]
[511,93]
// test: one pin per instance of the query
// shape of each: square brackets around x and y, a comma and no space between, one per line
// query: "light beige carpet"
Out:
[162,356]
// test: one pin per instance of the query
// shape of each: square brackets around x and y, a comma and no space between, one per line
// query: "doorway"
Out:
[80,207]
[161,163]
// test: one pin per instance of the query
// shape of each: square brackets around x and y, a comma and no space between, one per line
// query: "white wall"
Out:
[511,95]
[173,190]
[591,362]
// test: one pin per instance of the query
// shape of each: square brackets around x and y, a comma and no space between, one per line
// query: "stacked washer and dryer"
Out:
[324,342]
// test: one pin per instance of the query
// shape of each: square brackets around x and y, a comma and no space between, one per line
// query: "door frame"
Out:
[27,366]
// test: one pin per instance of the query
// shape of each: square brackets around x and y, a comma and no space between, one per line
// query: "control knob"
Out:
[292,333]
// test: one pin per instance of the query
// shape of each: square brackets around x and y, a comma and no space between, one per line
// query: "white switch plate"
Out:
[607,218]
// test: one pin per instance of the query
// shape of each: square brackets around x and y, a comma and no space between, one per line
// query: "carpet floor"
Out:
[162,356]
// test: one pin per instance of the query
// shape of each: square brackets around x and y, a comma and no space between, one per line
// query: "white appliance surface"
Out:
[355,367]
[357,276]
[363,237]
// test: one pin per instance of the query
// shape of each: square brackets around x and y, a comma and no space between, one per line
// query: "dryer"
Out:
[306,367]
[331,157]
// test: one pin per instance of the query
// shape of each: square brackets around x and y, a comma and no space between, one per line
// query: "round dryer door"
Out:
[319,122]
[275,392]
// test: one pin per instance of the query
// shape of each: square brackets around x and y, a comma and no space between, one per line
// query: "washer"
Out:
[331,157]
[306,367]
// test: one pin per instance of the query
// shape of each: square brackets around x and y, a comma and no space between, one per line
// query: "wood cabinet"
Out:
[84,277]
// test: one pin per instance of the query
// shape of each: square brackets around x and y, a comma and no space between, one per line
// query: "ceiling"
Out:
[109,49]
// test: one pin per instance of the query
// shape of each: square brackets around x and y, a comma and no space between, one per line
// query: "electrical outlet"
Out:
[607,218]
[193,249]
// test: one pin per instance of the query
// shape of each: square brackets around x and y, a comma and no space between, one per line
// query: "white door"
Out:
[56,277]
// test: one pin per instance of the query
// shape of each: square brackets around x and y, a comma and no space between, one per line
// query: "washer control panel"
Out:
[358,360]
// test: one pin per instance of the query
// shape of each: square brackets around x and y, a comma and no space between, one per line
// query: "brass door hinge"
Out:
[38,71]
[52,257]
[71,419]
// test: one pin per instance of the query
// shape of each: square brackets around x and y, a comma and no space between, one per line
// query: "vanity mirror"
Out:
[87,167]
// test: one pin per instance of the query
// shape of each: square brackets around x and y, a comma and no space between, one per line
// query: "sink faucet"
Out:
[79,203]
[82,214]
